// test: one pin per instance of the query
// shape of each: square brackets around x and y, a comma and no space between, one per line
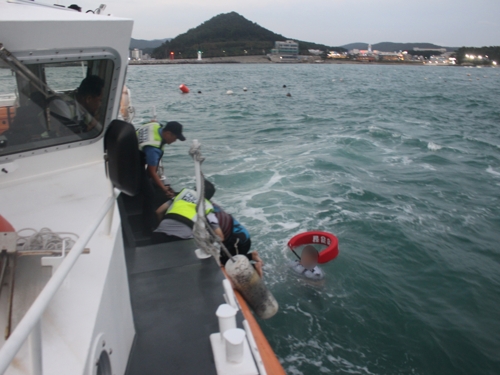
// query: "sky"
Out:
[451,23]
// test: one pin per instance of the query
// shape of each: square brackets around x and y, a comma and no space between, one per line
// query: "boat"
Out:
[83,291]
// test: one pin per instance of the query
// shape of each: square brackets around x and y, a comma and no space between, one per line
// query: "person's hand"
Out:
[258,264]
[91,125]
[169,192]
[256,258]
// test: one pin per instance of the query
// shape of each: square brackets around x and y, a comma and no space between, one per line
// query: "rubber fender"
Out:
[123,158]
[252,287]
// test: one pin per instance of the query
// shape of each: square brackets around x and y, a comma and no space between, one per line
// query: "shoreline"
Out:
[260,59]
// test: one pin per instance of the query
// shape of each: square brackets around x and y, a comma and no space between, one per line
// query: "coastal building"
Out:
[287,50]
[442,50]
[336,55]
[390,56]
[365,58]
[136,54]
[315,52]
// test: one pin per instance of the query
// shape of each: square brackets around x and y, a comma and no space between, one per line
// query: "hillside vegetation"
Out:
[228,34]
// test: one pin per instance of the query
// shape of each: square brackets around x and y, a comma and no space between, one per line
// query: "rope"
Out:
[203,233]
[45,239]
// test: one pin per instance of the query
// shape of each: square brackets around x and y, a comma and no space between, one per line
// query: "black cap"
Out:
[176,129]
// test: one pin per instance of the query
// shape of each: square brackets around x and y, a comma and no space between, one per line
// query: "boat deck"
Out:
[174,297]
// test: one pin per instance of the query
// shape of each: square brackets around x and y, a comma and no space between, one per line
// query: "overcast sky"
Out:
[332,22]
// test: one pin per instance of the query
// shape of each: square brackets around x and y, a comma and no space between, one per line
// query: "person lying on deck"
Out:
[178,215]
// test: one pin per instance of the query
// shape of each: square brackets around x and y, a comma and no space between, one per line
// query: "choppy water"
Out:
[401,163]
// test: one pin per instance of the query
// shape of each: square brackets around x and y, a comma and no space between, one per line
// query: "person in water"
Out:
[307,266]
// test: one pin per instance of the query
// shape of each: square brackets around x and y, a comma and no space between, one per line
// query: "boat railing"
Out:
[30,325]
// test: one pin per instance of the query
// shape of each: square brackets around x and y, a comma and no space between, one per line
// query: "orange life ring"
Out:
[7,115]
[317,238]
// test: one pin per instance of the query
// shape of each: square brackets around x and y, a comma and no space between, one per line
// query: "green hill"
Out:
[228,34]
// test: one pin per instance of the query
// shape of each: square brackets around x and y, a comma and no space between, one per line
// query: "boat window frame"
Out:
[74,55]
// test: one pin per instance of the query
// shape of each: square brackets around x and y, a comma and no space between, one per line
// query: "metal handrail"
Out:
[32,317]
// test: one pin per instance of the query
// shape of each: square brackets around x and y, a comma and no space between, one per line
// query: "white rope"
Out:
[203,233]
[45,239]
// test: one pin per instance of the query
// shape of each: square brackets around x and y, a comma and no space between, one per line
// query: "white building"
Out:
[136,54]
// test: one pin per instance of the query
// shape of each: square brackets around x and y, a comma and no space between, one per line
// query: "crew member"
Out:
[78,110]
[178,216]
[236,236]
[236,239]
[151,138]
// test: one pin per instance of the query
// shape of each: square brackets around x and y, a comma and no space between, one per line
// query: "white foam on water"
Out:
[249,159]
[394,160]
[433,146]
[428,167]
[289,225]
[490,170]
[357,191]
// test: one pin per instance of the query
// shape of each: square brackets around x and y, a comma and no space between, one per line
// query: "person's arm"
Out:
[258,263]
[152,173]
[153,156]
[219,233]
[162,209]
[214,223]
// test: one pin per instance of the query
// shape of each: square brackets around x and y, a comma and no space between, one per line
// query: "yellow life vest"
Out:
[148,135]
[183,208]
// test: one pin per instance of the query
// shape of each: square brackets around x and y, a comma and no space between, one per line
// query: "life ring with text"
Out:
[317,238]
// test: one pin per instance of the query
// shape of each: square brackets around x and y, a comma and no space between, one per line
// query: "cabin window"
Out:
[52,104]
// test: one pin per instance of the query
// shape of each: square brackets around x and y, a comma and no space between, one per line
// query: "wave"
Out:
[490,170]
[433,146]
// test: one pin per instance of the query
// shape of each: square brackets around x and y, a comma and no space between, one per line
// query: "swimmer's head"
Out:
[309,258]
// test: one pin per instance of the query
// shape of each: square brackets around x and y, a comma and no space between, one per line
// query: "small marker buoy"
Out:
[184,88]
[245,89]
[229,92]
[288,94]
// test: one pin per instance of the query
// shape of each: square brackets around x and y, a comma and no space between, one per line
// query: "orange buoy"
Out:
[184,88]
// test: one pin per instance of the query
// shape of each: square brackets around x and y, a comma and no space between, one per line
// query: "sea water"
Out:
[402,163]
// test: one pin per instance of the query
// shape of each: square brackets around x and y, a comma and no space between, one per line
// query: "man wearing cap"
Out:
[152,137]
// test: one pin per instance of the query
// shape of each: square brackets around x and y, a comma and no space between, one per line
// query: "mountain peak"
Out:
[227,34]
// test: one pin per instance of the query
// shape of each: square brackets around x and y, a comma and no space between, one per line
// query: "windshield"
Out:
[59,103]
